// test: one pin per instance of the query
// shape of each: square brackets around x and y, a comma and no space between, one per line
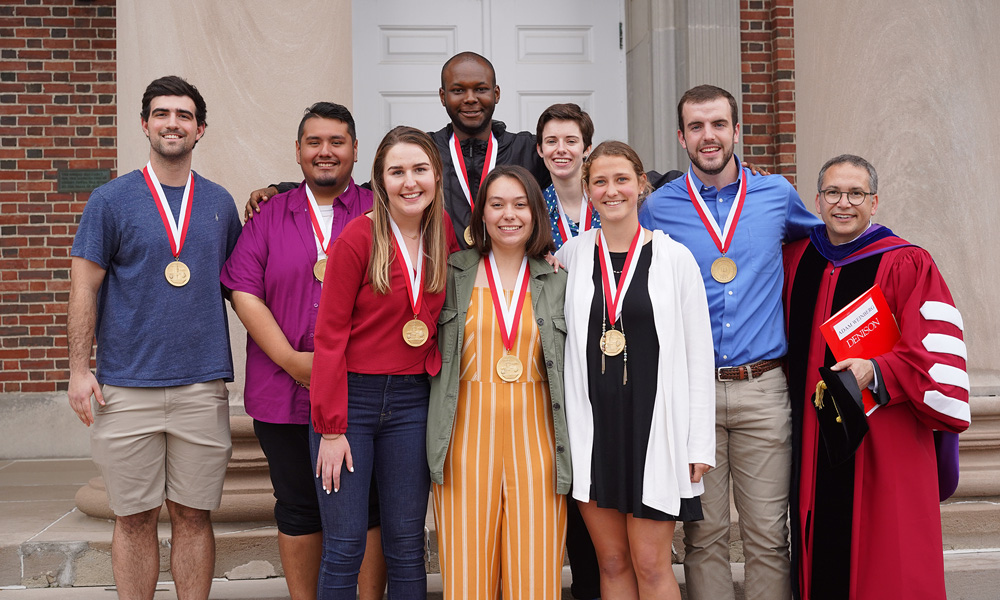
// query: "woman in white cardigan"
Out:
[639,391]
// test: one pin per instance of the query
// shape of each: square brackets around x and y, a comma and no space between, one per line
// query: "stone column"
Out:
[674,45]
[971,518]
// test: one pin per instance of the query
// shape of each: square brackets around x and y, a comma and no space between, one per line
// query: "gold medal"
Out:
[723,269]
[319,269]
[415,332]
[509,368]
[612,342]
[468,235]
[177,274]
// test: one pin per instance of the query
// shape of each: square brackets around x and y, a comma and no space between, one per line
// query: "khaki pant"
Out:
[156,443]
[753,445]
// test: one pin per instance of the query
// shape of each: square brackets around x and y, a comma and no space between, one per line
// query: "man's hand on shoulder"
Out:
[81,386]
[257,197]
[755,169]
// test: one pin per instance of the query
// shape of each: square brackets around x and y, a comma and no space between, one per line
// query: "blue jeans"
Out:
[387,425]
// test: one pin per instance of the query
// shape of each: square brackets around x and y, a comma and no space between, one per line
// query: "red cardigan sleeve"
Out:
[345,274]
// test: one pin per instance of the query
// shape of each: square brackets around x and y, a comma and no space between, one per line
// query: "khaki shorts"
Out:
[156,443]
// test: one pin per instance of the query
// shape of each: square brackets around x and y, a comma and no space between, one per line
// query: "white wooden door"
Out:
[544,51]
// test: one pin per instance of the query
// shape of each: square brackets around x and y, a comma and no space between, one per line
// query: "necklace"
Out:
[624,345]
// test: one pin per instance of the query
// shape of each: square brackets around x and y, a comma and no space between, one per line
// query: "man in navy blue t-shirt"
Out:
[145,280]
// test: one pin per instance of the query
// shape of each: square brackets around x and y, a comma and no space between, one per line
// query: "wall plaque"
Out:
[82,180]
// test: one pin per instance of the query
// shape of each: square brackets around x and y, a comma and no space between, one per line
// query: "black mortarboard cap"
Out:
[841,414]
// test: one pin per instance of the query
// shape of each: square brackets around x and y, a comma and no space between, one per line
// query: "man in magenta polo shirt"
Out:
[275,274]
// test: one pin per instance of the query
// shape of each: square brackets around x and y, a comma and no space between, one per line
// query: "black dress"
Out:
[623,412]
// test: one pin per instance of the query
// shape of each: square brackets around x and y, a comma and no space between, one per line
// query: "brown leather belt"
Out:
[750,371]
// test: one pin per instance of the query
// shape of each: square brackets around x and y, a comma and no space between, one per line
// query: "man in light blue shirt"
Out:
[735,223]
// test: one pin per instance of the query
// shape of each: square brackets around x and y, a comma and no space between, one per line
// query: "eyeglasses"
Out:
[855,197]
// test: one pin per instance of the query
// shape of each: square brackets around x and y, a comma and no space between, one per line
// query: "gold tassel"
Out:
[818,396]
[818,399]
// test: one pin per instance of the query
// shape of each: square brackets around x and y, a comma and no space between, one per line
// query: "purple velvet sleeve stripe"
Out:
[946,447]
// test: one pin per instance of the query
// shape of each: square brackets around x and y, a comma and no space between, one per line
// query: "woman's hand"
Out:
[698,470]
[332,455]
[554,262]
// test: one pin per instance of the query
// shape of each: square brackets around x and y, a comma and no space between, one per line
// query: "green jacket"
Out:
[548,291]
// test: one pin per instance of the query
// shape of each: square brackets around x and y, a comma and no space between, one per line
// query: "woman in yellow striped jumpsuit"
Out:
[496,434]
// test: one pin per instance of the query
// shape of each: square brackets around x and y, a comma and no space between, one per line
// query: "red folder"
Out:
[865,328]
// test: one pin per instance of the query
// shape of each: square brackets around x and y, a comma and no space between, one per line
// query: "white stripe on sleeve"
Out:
[946,344]
[949,375]
[940,311]
[947,405]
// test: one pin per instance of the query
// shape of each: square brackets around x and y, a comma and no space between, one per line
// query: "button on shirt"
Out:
[746,313]
[274,260]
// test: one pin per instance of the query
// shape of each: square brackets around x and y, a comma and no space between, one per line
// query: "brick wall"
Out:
[767,45]
[57,111]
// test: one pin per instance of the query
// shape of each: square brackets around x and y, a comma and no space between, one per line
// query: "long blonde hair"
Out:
[431,223]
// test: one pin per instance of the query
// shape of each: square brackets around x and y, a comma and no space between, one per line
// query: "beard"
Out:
[327,180]
[711,169]
[469,130]
[171,152]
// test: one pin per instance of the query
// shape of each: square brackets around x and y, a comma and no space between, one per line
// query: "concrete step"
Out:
[969,575]
[45,542]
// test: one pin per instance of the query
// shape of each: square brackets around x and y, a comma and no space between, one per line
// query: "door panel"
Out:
[544,51]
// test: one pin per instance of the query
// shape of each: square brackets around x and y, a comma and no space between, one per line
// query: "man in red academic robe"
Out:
[870,528]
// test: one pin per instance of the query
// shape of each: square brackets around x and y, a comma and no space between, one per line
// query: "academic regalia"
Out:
[871,527]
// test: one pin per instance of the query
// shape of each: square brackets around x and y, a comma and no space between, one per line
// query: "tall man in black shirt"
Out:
[473,143]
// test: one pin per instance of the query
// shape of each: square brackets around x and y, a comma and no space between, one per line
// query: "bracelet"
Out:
[331,436]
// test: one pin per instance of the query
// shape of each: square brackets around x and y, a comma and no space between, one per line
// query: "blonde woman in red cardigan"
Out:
[376,345]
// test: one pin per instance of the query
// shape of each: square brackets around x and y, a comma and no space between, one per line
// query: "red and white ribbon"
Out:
[414,276]
[722,238]
[614,293]
[583,224]
[509,315]
[176,230]
[489,163]
[321,226]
